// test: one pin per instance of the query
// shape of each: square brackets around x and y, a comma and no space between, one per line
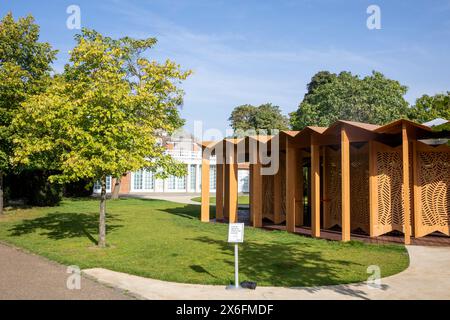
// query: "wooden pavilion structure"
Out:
[351,176]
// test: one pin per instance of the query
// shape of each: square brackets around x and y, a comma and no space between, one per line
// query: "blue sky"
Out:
[265,51]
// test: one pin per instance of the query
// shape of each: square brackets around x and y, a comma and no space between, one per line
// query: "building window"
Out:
[149,181]
[137,183]
[143,180]
[98,185]
[171,182]
[108,183]
[193,176]
[181,183]
[212,177]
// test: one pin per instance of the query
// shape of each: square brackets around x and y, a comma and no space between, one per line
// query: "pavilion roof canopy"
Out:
[335,128]
[396,127]
[357,131]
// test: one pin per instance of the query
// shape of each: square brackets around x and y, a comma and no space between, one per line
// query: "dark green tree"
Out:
[242,117]
[330,97]
[265,117]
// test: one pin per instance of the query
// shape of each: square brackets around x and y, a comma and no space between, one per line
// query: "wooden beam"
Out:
[257,197]
[406,191]
[277,194]
[299,190]
[373,212]
[205,189]
[315,189]
[345,175]
[219,190]
[291,177]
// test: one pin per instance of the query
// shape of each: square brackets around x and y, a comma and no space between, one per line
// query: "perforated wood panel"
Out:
[332,187]
[389,188]
[268,197]
[432,189]
[359,187]
[283,185]
[268,192]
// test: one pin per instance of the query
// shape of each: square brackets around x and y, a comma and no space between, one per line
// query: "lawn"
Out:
[165,240]
[212,200]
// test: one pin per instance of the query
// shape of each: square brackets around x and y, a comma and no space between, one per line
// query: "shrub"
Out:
[33,187]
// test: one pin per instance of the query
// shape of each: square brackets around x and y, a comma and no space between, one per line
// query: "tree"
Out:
[431,107]
[319,79]
[100,118]
[265,117]
[372,99]
[25,66]
[116,188]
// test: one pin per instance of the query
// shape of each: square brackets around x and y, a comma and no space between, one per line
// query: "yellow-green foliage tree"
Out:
[103,115]
[25,65]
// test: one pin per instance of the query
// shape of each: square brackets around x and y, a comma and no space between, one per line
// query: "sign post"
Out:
[236,236]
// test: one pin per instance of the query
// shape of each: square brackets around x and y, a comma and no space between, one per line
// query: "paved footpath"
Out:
[27,276]
[428,277]
[31,277]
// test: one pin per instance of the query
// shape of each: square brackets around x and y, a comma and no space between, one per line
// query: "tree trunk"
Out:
[116,190]
[102,219]
[1,192]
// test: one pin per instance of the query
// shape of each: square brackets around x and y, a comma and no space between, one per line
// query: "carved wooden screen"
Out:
[268,194]
[389,206]
[359,186]
[431,189]
[332,182]
[283,185]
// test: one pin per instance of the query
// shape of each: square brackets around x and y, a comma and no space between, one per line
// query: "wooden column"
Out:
[250,193]
[205,188]
[299,190]
[315,188]
[373,212]
[232,191]
[345,173]
[219,190]
[325,195]
[277,194]
[291,177]
[226,195]
[257,196]
[406,191]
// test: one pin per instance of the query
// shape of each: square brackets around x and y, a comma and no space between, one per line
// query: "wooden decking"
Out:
[430,240]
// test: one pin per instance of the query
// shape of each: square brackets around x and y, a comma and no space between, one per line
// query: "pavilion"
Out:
[351,176]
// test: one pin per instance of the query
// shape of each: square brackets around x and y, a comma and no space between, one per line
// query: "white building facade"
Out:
[187,152]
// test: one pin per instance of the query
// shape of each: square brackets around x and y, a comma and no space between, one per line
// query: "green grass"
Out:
[212,200]
[165,240]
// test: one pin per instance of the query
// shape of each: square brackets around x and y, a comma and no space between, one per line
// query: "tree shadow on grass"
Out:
[63,225]
[190,211]
[288,265]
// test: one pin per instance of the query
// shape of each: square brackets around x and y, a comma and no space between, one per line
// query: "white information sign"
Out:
[236,233]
